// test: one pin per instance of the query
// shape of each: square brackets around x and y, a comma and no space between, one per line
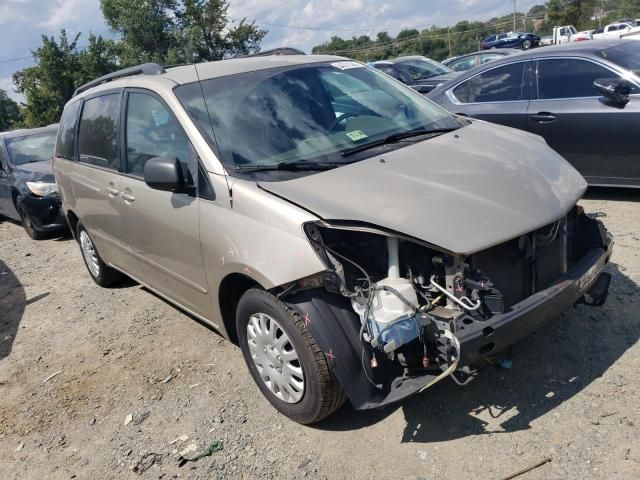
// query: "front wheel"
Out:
[284,359]
[28,224]
[526,45]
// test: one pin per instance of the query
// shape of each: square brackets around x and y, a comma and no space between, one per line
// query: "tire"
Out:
[526,45]
[321,393]
[99,271]
[28,224]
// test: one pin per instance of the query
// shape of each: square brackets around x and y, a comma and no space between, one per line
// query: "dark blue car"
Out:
[520,40]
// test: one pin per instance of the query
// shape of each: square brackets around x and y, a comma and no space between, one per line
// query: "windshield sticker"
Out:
[347,65]
[356,135]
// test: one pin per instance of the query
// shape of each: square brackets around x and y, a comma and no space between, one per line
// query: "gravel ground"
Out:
[98,383]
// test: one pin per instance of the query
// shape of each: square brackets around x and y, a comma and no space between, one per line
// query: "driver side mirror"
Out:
[613,89]
[164,173]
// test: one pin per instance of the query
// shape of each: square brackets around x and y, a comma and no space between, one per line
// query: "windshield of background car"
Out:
[422,68]
[310,112]
[627,55]
[31,148]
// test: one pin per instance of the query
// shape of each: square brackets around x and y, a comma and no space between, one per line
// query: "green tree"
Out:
[147,27]
[60,68]
[179,31]
[571,12]
[50,83]
[206,34]
[10,115]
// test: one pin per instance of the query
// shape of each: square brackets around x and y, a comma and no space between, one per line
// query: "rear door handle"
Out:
[113,192]
[127,198]
[543,117]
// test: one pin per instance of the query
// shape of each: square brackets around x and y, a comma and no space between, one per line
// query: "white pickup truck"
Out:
[565,34]
[616,30]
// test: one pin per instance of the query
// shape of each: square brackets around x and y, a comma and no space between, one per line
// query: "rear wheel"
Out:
[100,272]
[284,359]
[28,224]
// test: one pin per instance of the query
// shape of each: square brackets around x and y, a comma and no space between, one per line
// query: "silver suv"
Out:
[354,239]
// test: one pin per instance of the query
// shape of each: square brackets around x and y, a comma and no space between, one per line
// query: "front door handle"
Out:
[127,198]
[543,117]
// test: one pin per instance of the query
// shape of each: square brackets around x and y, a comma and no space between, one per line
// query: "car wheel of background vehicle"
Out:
[27,223]
[102,274]
[284,359]
[526,45]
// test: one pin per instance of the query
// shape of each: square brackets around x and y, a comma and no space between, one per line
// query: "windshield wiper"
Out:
[395,137]
[288,166]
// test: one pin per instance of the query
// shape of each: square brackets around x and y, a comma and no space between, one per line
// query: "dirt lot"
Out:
[76,360]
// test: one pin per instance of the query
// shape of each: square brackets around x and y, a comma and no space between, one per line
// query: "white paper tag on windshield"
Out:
[356,135]
[347,65]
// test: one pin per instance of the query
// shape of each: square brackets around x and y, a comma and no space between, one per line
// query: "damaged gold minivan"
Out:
[354,239]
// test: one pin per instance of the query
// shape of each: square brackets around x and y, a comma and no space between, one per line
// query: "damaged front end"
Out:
[395,315]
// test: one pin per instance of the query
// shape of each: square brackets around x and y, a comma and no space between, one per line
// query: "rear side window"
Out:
[502,84]
[98,141]
[67,132]
[152,131]
[569,78]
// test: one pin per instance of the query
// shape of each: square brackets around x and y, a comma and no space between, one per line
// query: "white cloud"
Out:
[6,84]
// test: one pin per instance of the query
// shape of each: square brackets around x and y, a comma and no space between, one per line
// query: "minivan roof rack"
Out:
[143,69]
[275,51]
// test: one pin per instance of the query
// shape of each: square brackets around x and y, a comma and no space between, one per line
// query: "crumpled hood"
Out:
[464,191]
[35,171]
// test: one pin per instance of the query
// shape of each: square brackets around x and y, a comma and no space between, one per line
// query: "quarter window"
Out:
[67,132]
[153,131]
[98,141]
[569,78]
[502,84]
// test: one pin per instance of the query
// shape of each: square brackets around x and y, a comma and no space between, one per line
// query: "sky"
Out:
[295,23]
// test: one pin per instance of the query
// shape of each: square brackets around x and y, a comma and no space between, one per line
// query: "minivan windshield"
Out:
[627,55]
[312,113]
[31,148]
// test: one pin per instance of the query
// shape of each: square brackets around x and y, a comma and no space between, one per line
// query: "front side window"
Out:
[569,78]
[31,148]
[489,57]
[67,131]
[98,134]
[312,112]
[463,64]
[390,70]
[502,84]
[152,131]
[422,68]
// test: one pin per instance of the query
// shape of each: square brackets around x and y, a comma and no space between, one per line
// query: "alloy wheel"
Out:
[89,253]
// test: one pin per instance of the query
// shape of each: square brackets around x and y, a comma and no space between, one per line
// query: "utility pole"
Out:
[514,15]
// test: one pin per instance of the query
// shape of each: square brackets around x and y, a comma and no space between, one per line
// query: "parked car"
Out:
[615,30]
[28,192]
[420,73]
[583,98]
[352,237]
[564,34]
[463,63]
[520,40]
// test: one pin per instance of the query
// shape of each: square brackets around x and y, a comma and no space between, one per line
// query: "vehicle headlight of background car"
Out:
[42,189]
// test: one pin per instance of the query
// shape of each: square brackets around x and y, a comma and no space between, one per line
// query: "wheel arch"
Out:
[232,287]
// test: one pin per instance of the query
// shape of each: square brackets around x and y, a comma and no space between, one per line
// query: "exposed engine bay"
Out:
[412,300]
